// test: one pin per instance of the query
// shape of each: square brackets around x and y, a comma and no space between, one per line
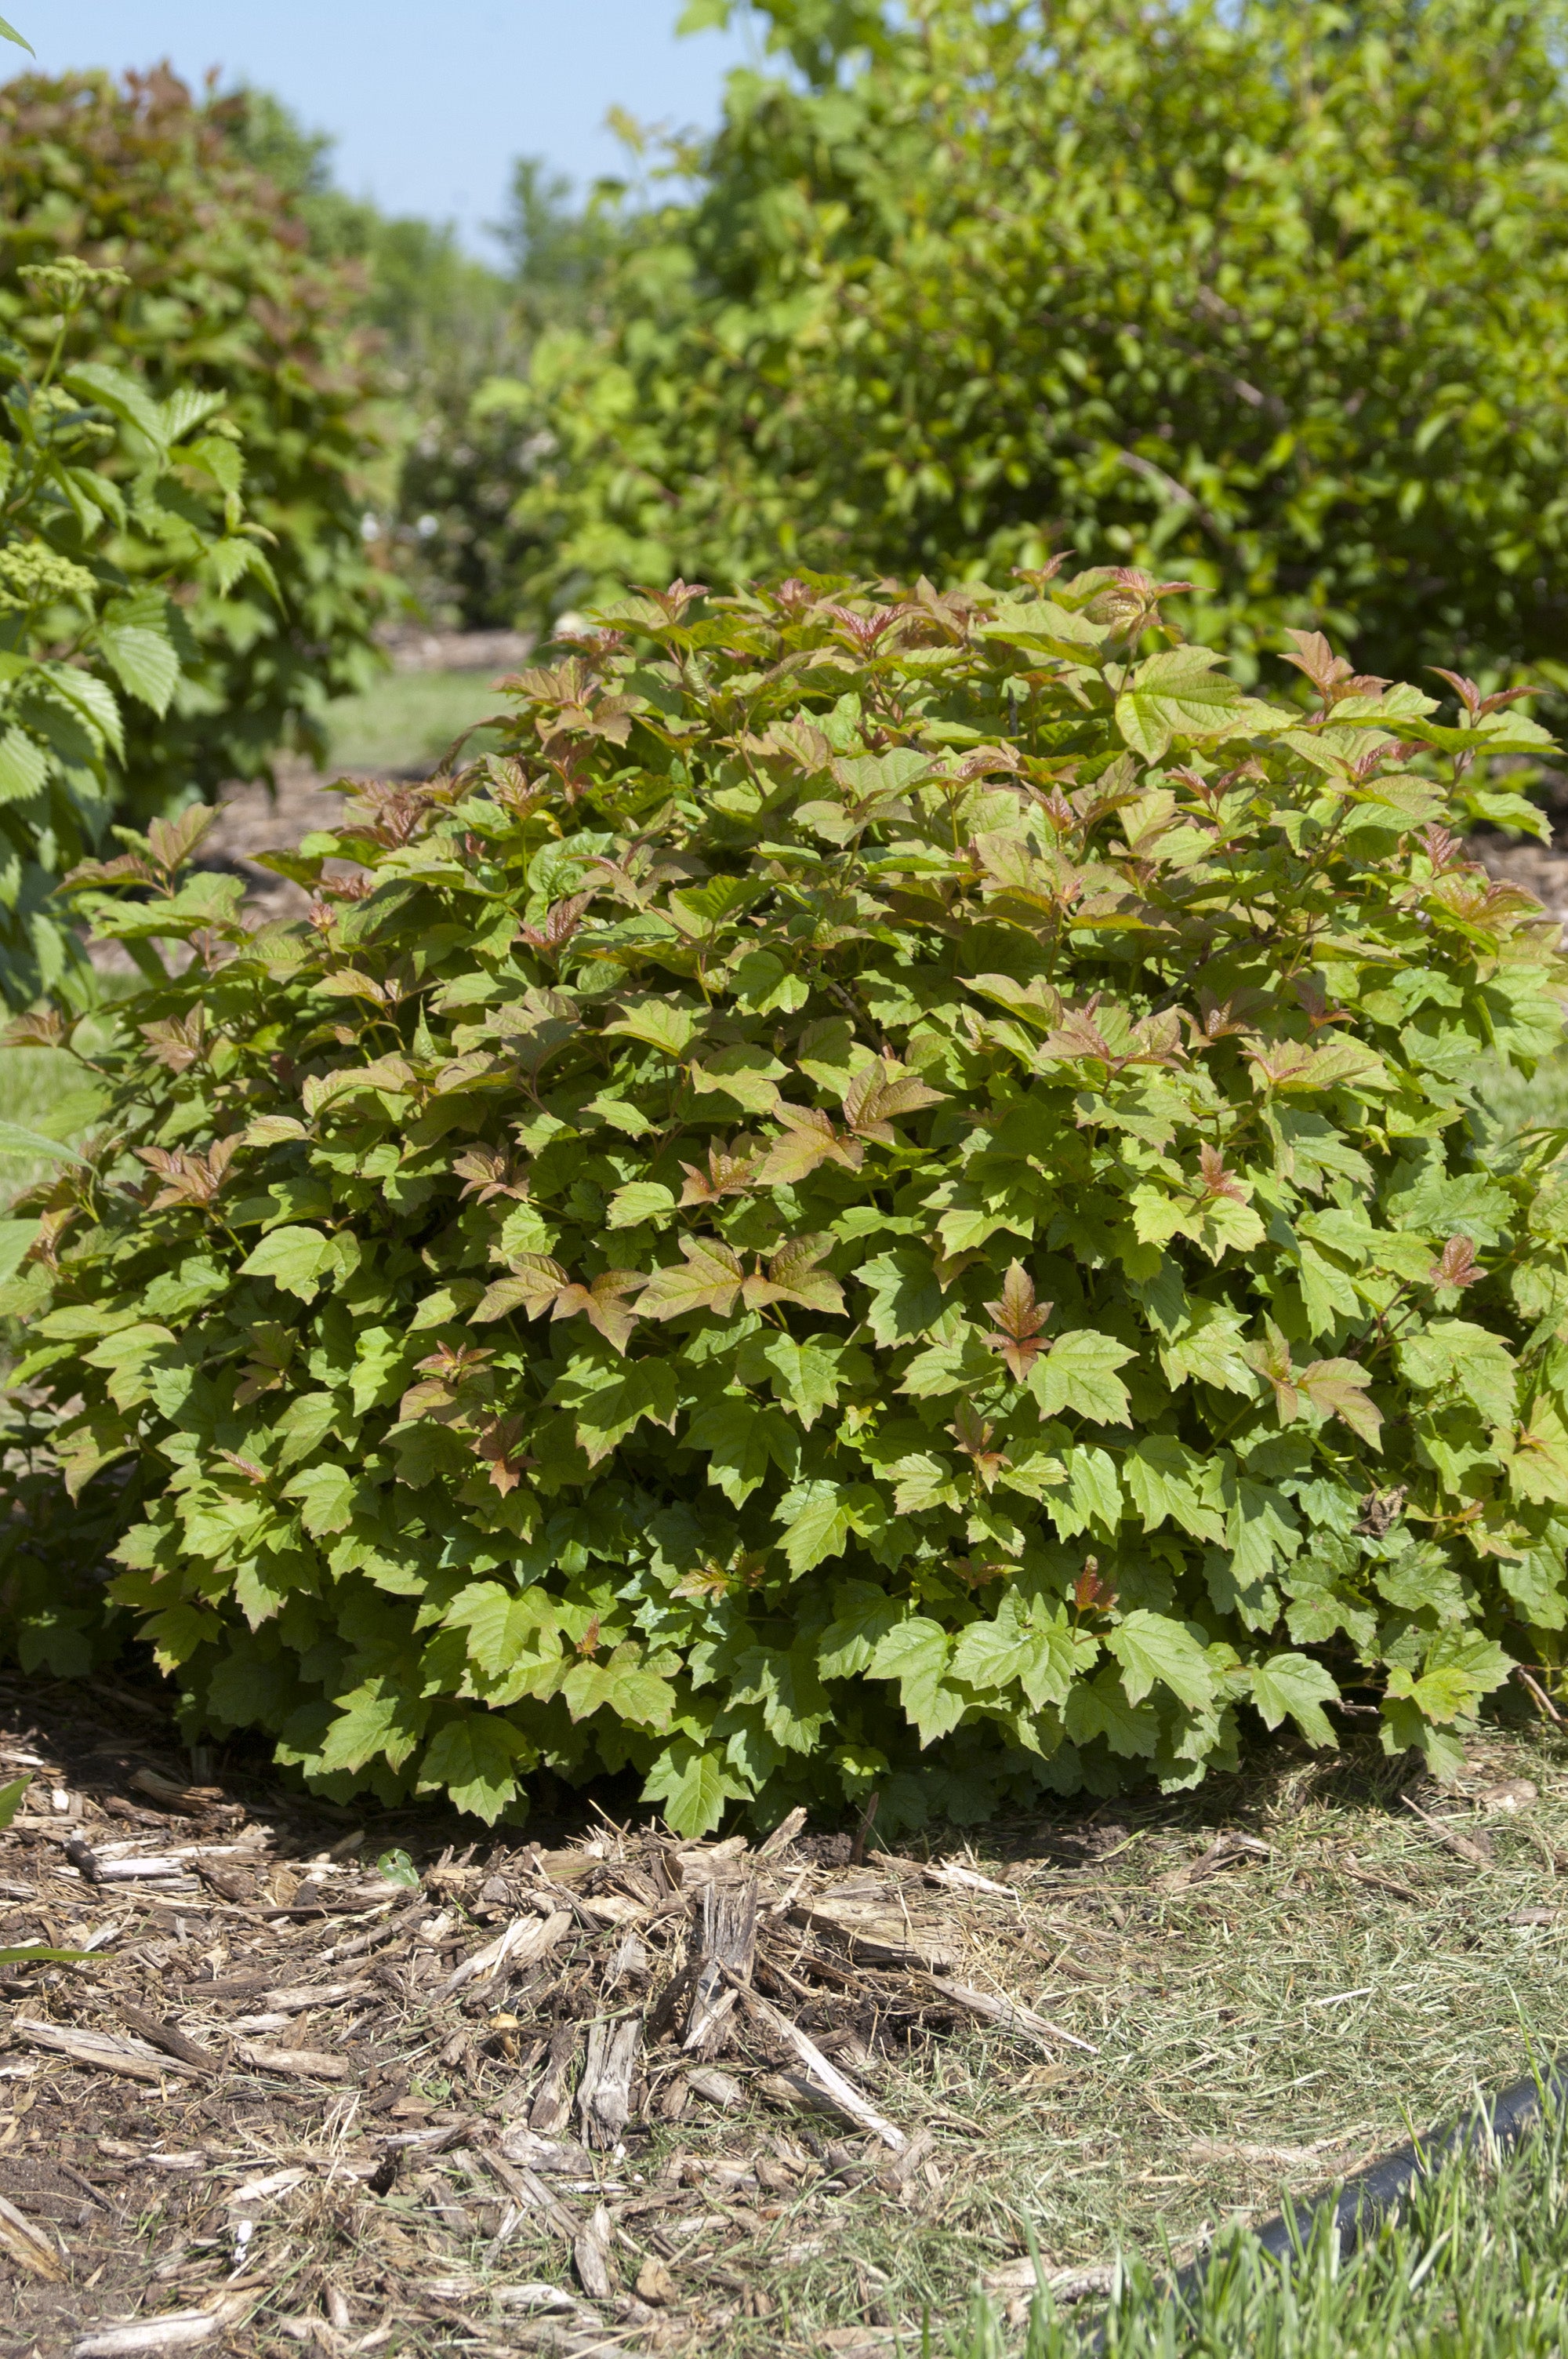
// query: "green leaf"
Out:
[375,1718]
[808,1377]
[123,395]
[1164,1478]
[906,1298]
[1177,694]
[17,1139]
[610,1403]
[294,1259]
[397,1867]
[9,32]
[1026,1646]
[693,1786]
[11,1798]
[1078,1372]
[1456,1354]
[1295,1684]
[1151,1648]
[667,1025]
[817,1521]
[328,1496]
[24,766]
[916,1654]
[640,1201]
[621,1683]
[144,662]
[743,1442]
[475,1759]
[862,1616]
[1098,1707]
[1208,1351]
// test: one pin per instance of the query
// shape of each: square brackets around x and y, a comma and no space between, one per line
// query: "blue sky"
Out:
[429,102]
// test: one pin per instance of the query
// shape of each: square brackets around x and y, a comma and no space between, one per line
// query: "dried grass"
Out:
[1193,2005]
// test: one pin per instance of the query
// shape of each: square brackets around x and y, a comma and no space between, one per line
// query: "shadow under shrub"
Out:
[897,1198]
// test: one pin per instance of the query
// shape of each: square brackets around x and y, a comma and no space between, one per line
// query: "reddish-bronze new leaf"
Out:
[1455,1266]
[1019,1321]
[189,1179]
[602,1303]
[496,1445]
[976,1438]
[809,1138]
[794,1277]
[878,1094]
[730,1171]
[179,1041]
[489,1172]
[535,1282]
[1091,1594]
[558,927]
[1215,1179]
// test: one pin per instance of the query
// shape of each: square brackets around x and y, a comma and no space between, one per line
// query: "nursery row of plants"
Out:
[1275,302]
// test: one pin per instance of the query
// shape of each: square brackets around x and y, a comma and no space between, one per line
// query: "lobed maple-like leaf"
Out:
[1020,1317]
[1215,1179]
[876,1097]
[487,1172]
[532,1286]
[1456,1264]
[809,1139]
[603,1304]
[794,1277]
[976,1436]
[188,1178]
[710,1278]
[731,1172]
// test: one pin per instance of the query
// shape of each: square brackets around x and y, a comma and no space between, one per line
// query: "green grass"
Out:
[1543,1099]
[45,1089]
[407,720]
[1476,2269]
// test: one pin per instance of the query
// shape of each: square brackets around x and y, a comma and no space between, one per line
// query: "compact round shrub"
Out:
[898,1199]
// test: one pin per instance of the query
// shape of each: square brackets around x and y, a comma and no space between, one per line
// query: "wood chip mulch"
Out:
[301,2088]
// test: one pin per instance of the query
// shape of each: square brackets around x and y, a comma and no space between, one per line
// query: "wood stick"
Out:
[1005,2012]
[173,2043]
[604,2092]
[101,2051]
[28,2246]
[551,2103]
[524,1942]
[726,1948]
[1528,1680]
[844,2093]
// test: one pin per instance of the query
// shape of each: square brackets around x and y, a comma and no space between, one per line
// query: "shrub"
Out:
[897,1199]
[84,641]
[1270,296]
[223,298]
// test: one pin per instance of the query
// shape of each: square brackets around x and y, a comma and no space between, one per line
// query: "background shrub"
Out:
[1271,297]
[896,1198]
[94,584]
[224,297]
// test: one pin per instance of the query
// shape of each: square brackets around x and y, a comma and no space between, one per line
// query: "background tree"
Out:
[1270,297]
[225,296]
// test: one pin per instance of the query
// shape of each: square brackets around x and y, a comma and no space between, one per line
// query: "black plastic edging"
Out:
[1358,2205]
